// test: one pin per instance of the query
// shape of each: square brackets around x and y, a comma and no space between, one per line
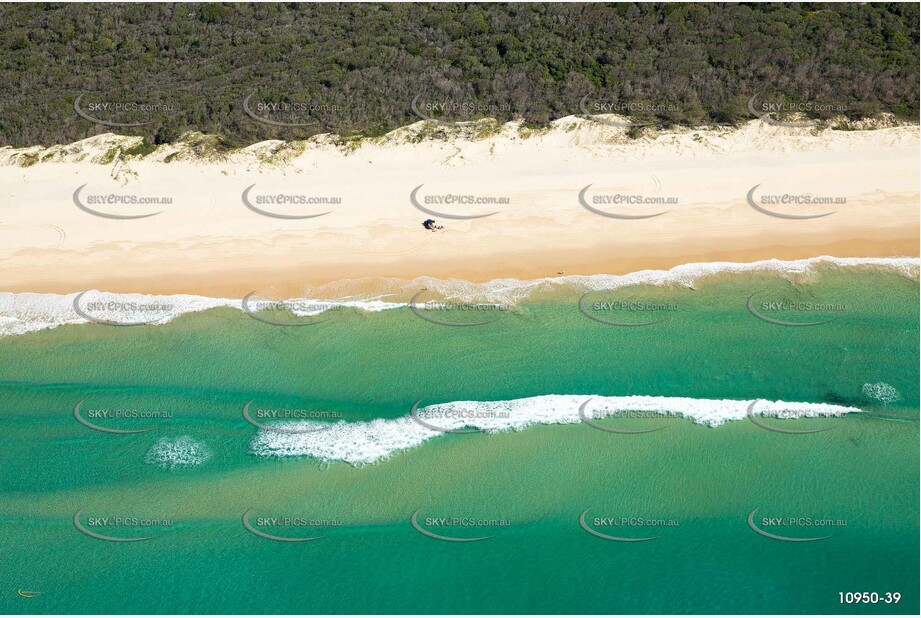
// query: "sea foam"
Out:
[181,452]
[28,312]
[514,290]
[372,441]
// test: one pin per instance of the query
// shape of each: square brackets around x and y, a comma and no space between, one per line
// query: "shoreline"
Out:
[523,267]
[29,312]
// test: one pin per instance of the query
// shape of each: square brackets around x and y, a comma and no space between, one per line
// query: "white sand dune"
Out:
[206,241]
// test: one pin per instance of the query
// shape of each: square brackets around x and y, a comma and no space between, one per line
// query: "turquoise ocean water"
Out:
[188,481]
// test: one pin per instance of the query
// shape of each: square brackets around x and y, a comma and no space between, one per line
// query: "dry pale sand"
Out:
[207,242]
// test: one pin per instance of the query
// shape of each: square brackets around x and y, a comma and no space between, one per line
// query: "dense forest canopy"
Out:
[368,68]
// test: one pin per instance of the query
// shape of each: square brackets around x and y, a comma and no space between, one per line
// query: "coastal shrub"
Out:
[357,67]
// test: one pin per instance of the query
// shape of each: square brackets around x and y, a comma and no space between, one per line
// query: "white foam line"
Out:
[29,312]
[512,290]
[371,441]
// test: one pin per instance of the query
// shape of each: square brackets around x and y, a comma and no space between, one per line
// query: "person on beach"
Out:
[429,224]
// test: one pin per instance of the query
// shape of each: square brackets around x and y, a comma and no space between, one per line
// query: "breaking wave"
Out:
[28,312]
[376,440]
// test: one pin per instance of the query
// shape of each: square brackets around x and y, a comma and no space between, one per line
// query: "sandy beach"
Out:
[207,241]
